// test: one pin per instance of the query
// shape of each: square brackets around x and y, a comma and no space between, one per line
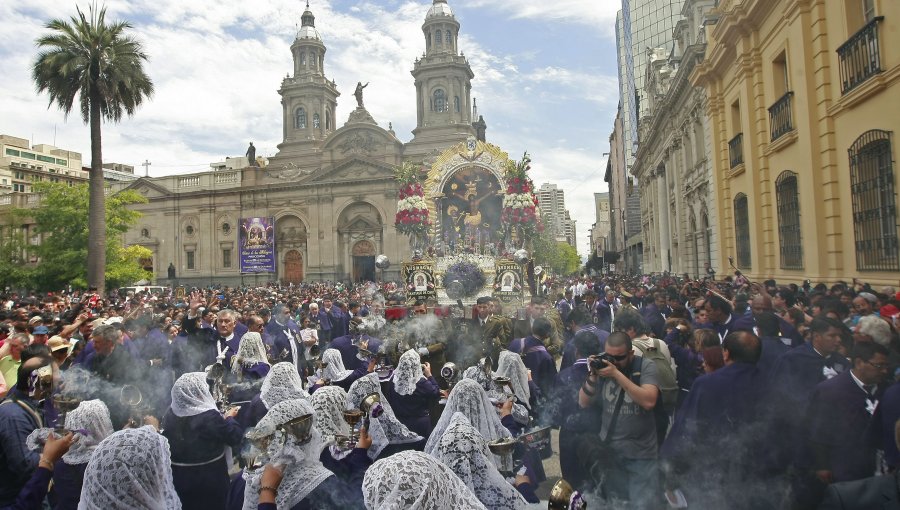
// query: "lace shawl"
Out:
[129,470]
[408,373]
[465,451]
[91,424]
[282,383]
[335,370]
[303,471]
[511,365]
[329,402]
[412,480]
[385,429]
[191,396]
[470,399]
[251,351]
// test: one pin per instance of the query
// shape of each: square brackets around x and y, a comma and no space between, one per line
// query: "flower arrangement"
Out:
[520,205]
[412,211]
[468,274]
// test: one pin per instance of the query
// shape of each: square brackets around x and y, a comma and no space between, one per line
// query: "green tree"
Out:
[559,256]
[14,269]
[101,67]
[62,220]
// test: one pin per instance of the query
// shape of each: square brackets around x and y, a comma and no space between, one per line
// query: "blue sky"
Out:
[545,79]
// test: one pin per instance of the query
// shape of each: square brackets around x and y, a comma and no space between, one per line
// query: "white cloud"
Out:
[595,13]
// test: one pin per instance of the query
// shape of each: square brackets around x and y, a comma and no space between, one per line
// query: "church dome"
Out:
[439,9]
[308,26]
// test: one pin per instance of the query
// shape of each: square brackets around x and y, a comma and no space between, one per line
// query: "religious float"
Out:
[470,214]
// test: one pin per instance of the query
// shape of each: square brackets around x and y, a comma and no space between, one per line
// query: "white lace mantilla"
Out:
[415,481]
[130,470]
[386,429]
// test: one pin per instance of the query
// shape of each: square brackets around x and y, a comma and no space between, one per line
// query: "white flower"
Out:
[518,200]
[410,203]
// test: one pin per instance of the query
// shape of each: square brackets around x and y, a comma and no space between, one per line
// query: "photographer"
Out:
[625,458]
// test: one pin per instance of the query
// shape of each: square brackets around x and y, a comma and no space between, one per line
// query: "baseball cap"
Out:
[41,330]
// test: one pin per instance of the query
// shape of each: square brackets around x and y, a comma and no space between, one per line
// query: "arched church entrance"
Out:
[363,261]
[293,267]
[360,230]
[290,241]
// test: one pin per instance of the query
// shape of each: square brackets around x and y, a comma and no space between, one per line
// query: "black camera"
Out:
[596,362]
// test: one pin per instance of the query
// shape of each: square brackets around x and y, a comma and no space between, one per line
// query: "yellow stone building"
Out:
[804,105]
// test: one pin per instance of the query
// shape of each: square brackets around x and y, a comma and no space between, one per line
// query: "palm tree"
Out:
[100,66]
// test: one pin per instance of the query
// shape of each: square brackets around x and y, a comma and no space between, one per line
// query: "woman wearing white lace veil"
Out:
[470,399]
[251,361]
[329,404]
[198,435]
[294,478]
[511,366]
[335,373]
[130,470]
[388,434]
[498,394]
[416,481]
[282,383]
[412,391]
[91,424]
[465,451]
[91,416]
[348,464]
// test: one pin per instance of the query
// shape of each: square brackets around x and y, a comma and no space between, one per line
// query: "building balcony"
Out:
[736,150]
[860,58]
[780,118]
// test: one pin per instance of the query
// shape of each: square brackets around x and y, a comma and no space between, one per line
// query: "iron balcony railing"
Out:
[859,57]
[780,119]
[736,150]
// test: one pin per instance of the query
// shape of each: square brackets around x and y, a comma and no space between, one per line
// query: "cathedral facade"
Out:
[331,190]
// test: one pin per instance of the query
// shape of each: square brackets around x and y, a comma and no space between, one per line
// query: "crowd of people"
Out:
[667,392]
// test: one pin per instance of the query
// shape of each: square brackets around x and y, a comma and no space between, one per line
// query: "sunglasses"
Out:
[620,357]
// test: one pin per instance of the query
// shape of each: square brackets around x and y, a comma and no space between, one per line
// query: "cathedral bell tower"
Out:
[443,82]
[308,98]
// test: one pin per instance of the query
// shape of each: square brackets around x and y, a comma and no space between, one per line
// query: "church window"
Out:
[312,59]
[449,38]
[226,258]
[316,122]
[874,202]
[189,259]
[788,197]
[300,119]
[456,103]
[437,38]
[742,230]
[428,41]
[328,120]
[302,58]
[440,100]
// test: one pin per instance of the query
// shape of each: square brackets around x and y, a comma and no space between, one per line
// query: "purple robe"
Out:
[412,410]
[67,482]
[538,360]
[837,423]
[201,439]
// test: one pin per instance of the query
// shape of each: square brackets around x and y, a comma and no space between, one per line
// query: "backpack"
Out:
[668,386]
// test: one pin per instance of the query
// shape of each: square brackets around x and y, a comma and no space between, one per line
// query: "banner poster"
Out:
[420,282]
[257,242]
[508,282]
